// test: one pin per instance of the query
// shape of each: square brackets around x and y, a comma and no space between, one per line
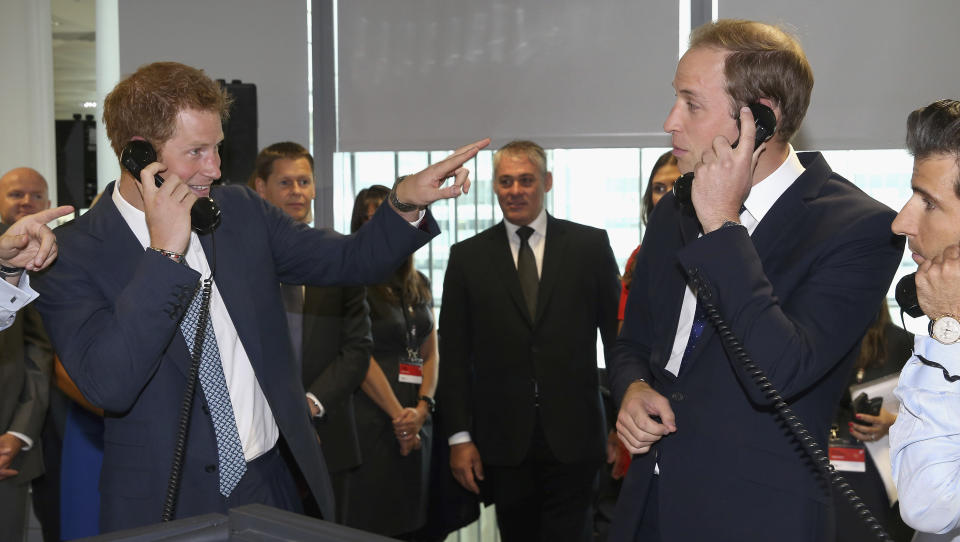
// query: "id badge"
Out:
[411,369]
[848,456]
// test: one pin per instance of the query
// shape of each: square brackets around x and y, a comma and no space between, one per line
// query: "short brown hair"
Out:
[528,149]
[263,165]
[765,61]
[147,102]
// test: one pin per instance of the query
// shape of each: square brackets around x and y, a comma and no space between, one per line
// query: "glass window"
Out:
[597,187]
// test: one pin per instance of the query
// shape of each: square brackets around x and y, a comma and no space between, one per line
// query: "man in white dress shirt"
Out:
[925,439]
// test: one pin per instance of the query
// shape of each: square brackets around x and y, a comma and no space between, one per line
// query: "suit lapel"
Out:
[552,267]
[105,221]
[766,238]
[234,288]
[791,205]
[501,259]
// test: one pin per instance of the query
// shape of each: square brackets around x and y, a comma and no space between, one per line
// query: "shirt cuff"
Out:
[14,298]
[317,402]
[416,223]
[459,438]
[27,441]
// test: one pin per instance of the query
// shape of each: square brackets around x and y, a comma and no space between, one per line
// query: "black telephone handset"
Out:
[906,295]
[764,120]
[138,154]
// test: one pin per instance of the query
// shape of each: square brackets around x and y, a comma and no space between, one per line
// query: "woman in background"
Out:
[664,173]
[389,490]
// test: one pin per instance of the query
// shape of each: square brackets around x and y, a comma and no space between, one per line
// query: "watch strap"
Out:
[401,206]
[431,403]
[7,271]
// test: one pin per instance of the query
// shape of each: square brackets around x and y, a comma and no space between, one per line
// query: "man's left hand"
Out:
[9,448]
[938,284]
[422,189]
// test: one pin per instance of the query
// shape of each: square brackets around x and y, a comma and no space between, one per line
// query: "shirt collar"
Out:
[765,193]
[135,218]
[539,225]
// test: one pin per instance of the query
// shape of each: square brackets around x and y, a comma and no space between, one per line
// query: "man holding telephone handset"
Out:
[124,307]
[797,259]
[925,439]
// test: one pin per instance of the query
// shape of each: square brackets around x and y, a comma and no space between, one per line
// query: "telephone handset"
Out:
[906,295]
[764,120]
[138,154]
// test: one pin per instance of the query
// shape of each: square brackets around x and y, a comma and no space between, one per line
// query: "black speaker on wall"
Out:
[239,149]
[76,161]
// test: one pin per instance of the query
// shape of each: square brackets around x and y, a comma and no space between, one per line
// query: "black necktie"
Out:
[527,270]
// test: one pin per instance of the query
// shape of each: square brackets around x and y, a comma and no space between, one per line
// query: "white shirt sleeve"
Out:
[14,298]
[925,442]
[459,438]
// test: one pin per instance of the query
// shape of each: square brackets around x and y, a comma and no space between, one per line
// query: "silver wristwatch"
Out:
[945,329]
[402,207]
[7,272]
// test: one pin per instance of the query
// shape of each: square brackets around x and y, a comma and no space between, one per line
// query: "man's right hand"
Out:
[635,425]
[167,209]
[29,243]
[466,466]
[9,448]
[938,284]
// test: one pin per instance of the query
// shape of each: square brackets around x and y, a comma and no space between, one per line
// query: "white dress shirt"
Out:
[536,241]
[761,198]
[925,442]
[255,423]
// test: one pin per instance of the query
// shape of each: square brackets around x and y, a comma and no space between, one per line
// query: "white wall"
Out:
[256,41]
[26,89]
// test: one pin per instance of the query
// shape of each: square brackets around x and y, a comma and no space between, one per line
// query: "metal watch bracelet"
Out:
[402,207]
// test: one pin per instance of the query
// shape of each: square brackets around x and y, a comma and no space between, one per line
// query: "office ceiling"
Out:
[73,24]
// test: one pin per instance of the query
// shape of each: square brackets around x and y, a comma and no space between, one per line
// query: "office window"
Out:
[598,187]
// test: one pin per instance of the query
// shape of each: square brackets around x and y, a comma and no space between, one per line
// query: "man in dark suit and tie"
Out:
[329,326]
[522,303]
[128,313]
[797,259]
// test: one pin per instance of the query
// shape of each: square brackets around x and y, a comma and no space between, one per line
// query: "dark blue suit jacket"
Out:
[800,294]
[113,311]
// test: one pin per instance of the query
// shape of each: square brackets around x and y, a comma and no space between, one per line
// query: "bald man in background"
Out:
[23,191]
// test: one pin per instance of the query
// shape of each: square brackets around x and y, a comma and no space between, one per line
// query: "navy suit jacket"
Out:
[799,293]
[112,310]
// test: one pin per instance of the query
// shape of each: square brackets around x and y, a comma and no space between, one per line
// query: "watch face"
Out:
[946,329]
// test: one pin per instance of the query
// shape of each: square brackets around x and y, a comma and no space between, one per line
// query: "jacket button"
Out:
[676,396]
[210,468]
